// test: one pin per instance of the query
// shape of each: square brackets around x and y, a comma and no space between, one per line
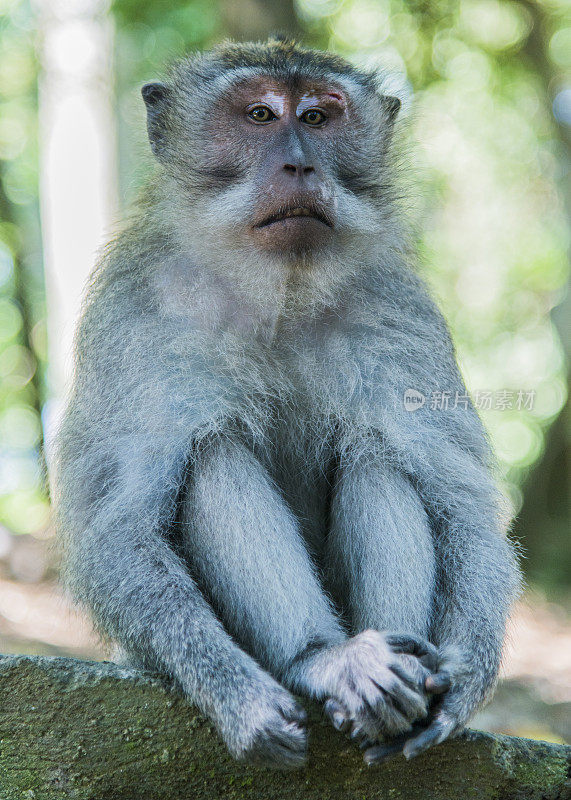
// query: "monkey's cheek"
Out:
[293,235]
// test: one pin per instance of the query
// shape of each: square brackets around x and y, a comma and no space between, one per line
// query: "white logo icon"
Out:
[413,400]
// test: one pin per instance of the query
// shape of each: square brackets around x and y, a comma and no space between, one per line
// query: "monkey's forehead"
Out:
[260,86]
[283,60]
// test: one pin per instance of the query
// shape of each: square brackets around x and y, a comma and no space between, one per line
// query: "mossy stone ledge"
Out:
[98,731]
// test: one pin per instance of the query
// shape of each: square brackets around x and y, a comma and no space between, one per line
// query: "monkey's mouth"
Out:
[296,212]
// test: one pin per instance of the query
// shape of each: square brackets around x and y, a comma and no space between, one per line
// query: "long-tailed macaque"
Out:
[246,502]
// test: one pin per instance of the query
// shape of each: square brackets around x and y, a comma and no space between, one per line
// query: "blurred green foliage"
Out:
[481,146]
[23,505]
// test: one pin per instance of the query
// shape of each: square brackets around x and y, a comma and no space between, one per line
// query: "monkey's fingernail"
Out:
[437,683]
[356,733]
[338,720]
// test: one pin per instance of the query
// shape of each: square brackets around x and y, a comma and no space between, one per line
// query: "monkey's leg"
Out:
[245,550]
[380,552]
[380,564]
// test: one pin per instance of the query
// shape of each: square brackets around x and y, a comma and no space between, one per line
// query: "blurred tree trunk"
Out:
[21,296]
[78,192]
[545,521]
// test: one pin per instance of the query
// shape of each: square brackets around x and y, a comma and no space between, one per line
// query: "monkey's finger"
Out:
[414,679]
[386,750]
[338,715]
[411,703]
[383,752]
[291,738]
[281,747]
[436,732]
[412,645]
[384,711]
[367,743]
[439,683]
[286,755]
[389,718]
[357,732]
[295,713]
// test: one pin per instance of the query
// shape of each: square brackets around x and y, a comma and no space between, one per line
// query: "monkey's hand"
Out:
[374,690]
[456,693]
[265,726]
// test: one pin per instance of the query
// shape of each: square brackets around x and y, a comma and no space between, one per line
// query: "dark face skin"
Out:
[283,139]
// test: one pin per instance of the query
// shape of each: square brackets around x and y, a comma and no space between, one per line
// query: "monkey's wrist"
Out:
[454,660]
[304,669]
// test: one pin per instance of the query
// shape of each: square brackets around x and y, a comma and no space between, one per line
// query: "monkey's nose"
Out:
[298,170]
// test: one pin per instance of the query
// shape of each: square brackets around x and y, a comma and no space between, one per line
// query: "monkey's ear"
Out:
[156,97]
[391,106]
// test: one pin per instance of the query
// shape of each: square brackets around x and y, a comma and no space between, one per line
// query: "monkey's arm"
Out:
[478,579]
[114,499]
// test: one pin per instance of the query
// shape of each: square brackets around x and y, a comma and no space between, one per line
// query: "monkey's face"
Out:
[283,164]
[280,140]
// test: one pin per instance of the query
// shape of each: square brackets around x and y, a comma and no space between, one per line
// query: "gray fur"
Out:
[244,502]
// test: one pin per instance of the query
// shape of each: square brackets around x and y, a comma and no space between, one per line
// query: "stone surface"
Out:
[97,731]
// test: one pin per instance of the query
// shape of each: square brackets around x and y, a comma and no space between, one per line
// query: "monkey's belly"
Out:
[300,471]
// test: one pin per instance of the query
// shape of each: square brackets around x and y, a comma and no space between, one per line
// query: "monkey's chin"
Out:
[293,236]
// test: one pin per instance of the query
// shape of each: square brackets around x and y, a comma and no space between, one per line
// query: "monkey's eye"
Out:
[313,116]
[261,114]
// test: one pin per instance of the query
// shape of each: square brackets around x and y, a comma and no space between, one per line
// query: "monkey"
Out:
[244,501]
